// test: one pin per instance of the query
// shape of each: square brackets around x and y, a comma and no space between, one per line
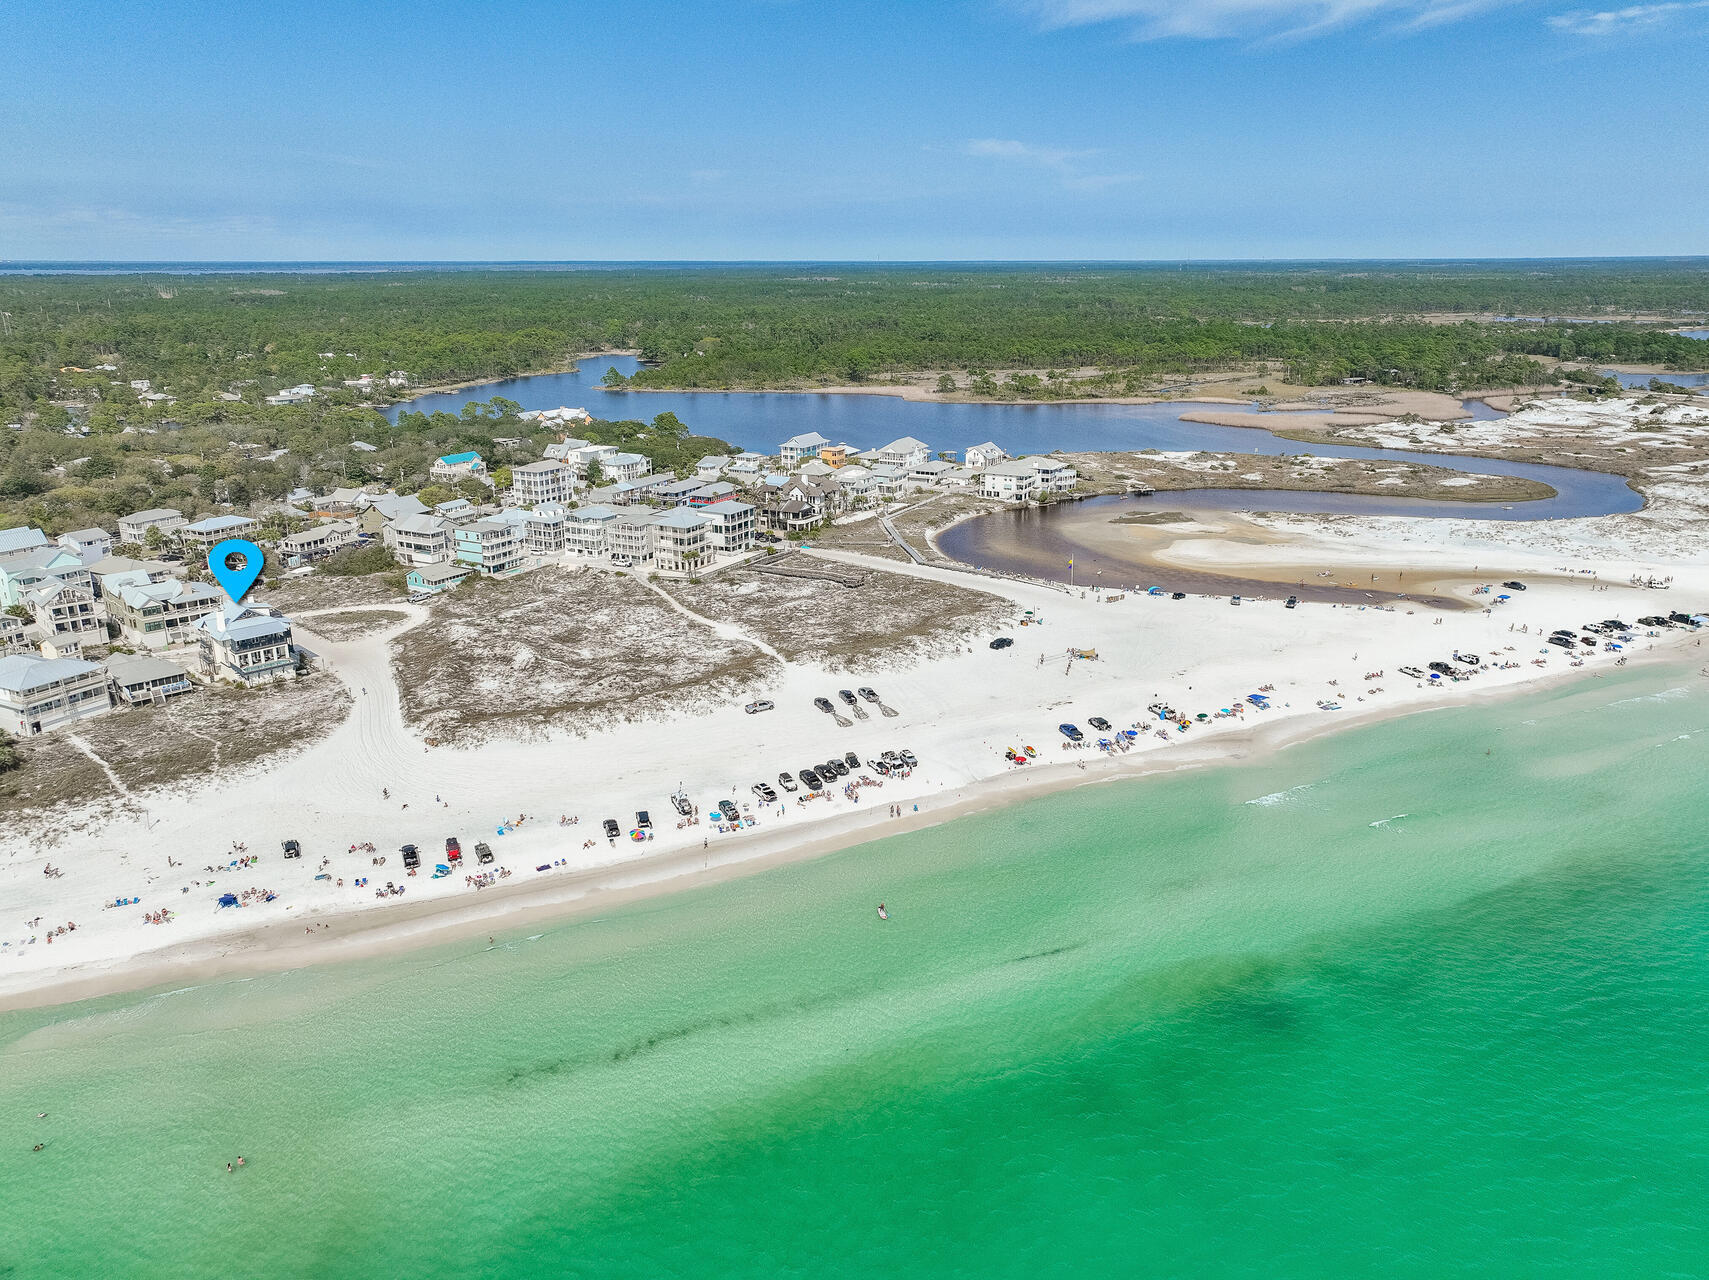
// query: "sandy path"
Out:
[727,630]
[86,749]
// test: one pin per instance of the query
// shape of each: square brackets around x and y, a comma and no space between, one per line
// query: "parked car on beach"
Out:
[869,694]
[786,781]
[611,828]
[824,704]
[1071,732]
[1099,723]
[293,849]
[1002,642]
[809,779]
[758,705]
[765,793]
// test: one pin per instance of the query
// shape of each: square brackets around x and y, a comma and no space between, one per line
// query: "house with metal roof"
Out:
[458,466]
[139,679]
[41,694]
[203,534]
[135,527]
[248,644]
[157,614]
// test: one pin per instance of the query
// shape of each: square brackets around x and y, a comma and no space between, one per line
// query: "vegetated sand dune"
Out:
[567,649]
[891,620]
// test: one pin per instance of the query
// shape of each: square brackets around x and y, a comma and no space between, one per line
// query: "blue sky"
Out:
[1070,129]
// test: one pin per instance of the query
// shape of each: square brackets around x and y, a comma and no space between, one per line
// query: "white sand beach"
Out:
[373,780]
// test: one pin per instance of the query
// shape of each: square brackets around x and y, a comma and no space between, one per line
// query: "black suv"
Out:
[293,849]
[809,779]
[612,830]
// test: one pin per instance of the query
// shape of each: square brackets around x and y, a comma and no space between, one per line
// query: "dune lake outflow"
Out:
[761,420]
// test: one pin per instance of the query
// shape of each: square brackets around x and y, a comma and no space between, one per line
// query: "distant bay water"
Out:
[1426,998]
[762,420]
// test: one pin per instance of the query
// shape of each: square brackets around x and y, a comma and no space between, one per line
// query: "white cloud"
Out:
[1249,19]
[1065,163]
[1584,22]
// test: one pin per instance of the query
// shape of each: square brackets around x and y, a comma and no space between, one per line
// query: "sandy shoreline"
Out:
[564,366]
[278,946]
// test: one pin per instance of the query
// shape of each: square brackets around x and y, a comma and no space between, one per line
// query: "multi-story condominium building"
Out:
[39,694]
[247,644]
[158,614]
[794,449]
[64,609]
[730,525]
[679,540]
[205,533]
[586,530]
[135,527]
[542,482]
[419,539]
[494,547]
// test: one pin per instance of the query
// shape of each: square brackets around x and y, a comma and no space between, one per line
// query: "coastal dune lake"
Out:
[760,420]
[1422,998]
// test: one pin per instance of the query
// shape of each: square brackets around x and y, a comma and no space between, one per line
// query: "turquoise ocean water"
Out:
[1421,999]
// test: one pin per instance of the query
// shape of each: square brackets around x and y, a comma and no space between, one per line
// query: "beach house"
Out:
[135,527]
[89,545]
[17,541]
[630,536]
[585,529]
[543,529]
[431,579]
[793,450]
[542,482]
[139,679]
[25,570]
[710,468]
[730,525]
[318,542]
[67,610]
[457,466]
[680,542]
[984,455]
[246,644]
[624,466]
[906,452]
[14,636]
[493,546]
[1013,480]
[39,694]
[203,534]
[418,539]
[157,614]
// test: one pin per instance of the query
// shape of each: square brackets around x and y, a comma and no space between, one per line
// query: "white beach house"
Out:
[39,694]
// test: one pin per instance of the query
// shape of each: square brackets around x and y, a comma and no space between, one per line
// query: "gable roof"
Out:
[22,672]
[457,459]
[21,539]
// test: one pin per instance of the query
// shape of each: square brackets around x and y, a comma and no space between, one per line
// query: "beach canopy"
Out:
[228,899]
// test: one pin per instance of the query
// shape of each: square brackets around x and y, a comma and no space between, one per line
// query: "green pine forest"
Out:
[195,336]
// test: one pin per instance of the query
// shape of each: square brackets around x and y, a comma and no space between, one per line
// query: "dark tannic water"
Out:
[760,420]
